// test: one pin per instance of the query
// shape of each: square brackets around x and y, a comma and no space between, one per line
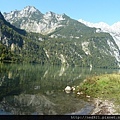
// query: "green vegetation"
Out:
[106,86]
[75,44]
[7,56]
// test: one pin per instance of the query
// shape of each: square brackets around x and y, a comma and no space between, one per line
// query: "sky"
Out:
[94,11]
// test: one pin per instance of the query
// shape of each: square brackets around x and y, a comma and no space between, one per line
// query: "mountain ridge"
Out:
[114,29]
[69,43]
[37,20]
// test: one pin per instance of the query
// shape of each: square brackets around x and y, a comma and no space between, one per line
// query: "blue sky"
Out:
[90,10]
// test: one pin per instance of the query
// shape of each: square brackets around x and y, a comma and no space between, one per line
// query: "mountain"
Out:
[16,44]
[9,36]
[67,41]
[32,20]
[113,30]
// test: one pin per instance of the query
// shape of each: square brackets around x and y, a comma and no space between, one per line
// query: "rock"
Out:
[68,89]
[103,107]
[80,93]
[87,96]
[73,88]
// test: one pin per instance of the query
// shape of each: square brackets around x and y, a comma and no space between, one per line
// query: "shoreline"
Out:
[103,107]
[97,107]
[103,91]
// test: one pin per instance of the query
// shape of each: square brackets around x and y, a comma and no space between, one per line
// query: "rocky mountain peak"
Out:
[32,20]
[51,15]
[27,12]
[29,9]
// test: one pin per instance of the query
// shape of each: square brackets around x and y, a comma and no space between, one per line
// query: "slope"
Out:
[68,42]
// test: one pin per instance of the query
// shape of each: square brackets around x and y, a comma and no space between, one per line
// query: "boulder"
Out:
[68,89]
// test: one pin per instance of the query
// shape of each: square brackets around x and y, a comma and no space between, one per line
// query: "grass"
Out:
[106,86]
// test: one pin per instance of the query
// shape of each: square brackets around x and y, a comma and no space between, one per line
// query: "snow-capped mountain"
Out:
[114,29]
[32,20]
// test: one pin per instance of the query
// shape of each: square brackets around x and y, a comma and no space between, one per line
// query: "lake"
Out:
[33,89]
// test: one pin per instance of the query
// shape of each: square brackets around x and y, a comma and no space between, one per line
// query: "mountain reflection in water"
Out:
[38,89]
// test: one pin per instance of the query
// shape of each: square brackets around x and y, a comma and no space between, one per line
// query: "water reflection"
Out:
[38,89]
[25,104]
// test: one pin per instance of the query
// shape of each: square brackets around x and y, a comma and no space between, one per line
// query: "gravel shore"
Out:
[103,107]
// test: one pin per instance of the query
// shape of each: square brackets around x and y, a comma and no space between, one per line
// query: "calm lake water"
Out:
[27,89]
